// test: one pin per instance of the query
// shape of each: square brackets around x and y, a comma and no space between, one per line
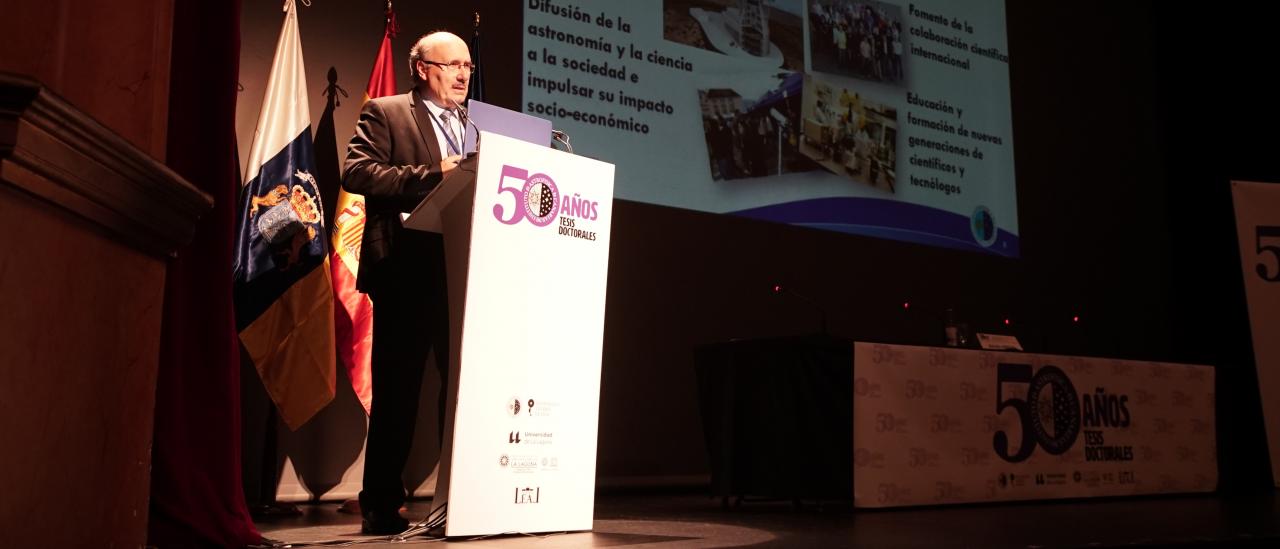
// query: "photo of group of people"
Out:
[859,39]
[753,138]
[849,135]
[804,122]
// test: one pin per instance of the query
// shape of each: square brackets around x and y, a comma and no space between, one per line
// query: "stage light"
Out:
[777,288]
[1006,322]
[1075,318]
[906,305]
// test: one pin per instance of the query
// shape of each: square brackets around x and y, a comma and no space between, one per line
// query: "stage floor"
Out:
[671,520]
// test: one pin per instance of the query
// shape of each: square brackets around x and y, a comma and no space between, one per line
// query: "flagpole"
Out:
[355,310]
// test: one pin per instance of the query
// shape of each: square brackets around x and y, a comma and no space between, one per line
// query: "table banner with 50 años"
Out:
[941,425]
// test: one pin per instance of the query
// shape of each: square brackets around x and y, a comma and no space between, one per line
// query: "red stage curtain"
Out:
[196,494]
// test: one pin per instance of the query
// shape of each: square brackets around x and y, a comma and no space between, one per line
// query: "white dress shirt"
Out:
[444,120]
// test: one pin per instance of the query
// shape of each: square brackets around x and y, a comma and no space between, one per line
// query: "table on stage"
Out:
[898,425]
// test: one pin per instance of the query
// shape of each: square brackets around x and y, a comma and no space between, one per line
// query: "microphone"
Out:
[822,313]
[563,138]
[466,121]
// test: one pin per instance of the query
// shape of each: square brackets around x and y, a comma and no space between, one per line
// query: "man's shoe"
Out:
[383,524]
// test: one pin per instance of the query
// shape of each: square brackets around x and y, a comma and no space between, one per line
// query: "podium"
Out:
[526,232]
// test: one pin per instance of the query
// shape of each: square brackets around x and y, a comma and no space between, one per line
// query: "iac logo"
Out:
[983,226]
[515,406]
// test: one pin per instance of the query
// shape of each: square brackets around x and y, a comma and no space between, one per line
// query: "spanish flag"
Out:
[354,316]
[283,294]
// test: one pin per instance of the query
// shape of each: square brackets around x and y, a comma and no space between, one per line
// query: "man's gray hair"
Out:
[422,48]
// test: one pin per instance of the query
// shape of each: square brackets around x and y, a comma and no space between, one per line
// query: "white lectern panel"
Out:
[523,453]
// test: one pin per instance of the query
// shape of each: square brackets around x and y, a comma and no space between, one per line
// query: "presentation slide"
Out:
[875,118]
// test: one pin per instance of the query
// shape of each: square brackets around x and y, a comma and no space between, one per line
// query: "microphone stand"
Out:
[466,121]
[822,312]
[563,138]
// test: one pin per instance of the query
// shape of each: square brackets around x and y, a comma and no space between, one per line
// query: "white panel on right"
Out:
[1258,227]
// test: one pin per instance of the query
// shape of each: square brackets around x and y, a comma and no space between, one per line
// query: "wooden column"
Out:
[87,224]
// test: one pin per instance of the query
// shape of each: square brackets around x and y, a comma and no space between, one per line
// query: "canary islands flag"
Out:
[283,296]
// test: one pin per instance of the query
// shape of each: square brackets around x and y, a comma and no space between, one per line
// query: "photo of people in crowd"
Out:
[848,134]
[859,39]
[771,31]
[754,137]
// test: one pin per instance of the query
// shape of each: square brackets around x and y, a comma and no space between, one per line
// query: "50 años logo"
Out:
[537,199]
[1051,415]
[1047,418]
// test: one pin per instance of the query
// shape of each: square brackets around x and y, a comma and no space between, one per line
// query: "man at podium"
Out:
[402,148]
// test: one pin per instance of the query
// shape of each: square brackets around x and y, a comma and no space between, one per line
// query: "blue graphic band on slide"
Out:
[885,219]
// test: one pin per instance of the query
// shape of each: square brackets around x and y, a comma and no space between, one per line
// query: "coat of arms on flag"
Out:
[283,297]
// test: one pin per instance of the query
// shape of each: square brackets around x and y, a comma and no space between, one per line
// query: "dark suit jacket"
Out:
[394,161]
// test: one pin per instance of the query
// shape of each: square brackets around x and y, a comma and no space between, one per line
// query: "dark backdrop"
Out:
[1129,120]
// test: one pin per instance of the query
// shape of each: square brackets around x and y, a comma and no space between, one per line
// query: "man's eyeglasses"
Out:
[455,66]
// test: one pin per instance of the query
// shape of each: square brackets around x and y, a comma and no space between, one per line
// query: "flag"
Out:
[283,296]
[354,315]
[476,91]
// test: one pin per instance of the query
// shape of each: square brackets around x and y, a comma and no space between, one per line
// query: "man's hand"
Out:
[449,163]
